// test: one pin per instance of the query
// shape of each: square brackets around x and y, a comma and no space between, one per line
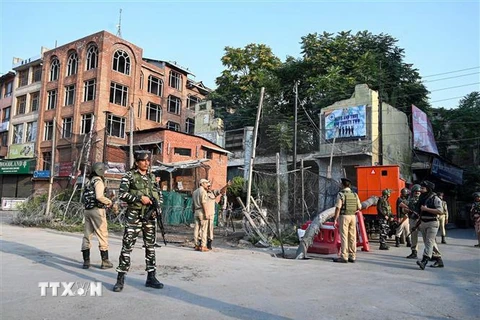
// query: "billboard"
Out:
[423,138]
[349,122]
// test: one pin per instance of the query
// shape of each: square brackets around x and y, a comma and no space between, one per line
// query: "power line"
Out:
[449,72]
[463,75]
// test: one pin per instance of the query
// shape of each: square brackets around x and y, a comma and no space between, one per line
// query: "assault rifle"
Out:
[417,224]
[155,211]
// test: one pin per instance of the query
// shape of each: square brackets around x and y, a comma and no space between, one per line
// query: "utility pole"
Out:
[131,136]
[295,154]
[254,146]
[105,137]
[52,167]
[119,26]
[380,118]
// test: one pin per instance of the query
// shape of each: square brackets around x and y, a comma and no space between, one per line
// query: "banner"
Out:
[348,122]
[17,166]
[423,138]
[24,150]
[447,172]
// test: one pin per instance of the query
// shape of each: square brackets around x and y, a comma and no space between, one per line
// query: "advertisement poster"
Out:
[423,138]
[348,122]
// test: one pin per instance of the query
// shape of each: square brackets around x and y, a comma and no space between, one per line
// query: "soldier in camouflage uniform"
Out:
[413,218]
[403,228]
[137,188]
[385,217]
[475,215]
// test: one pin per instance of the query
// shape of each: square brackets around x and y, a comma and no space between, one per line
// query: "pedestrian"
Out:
[443,218]
[475,215]
[211,201]
[413,217]
[430,209]
[200,209]
[95,217]
[137,187]
[346,207]
[384,217]
[403,228]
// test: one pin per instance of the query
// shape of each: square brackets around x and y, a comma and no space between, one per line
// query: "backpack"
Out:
[89,199]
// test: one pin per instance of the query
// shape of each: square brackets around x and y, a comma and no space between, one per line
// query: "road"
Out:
[232,283]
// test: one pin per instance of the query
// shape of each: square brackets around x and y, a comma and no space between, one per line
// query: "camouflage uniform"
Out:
[475,215]
[132,187]
[384,210]
[413,218]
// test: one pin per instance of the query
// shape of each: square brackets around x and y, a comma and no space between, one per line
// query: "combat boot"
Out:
[412,255]
[409,242]
[86,258]
[383,246]
[438,263]
[397,242]
[423,263]
[209,244]
[106,264]
[152,281]
[120,281]
[443,240]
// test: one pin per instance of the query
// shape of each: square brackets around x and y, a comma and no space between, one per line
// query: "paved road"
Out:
[232,283]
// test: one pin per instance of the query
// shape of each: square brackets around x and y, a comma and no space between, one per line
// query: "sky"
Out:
[441,38]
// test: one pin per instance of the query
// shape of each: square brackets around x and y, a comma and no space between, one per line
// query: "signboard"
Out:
[23,150]
[348,122]
[447,172]
[11,203]
[17,166]
[423,138]
[63,169]
[115,167]
[41,174]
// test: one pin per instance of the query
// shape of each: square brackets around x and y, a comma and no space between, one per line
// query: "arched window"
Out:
[54,69]
[142,78]
[92,57]
[72,64]
[121,62]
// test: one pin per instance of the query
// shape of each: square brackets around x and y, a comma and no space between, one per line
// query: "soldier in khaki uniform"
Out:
[346,207]
[443,218]
[200,209]
[210,213]
[96,219]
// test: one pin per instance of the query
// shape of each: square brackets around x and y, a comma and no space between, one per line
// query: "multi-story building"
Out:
[6,98]
[101,83]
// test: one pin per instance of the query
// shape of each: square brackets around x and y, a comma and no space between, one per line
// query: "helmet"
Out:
[427,184]
[416,188]
[99,169]
[405,192]
[386,192]
[142,155]
[476,194]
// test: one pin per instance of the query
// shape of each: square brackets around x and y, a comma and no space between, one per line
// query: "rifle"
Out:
[156,209]
[417,224]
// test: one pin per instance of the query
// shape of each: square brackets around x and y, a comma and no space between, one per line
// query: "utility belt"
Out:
[428,219]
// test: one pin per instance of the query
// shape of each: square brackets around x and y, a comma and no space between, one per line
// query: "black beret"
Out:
[142,155]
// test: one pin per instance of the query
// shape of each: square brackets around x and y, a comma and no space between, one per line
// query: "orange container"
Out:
[371,180]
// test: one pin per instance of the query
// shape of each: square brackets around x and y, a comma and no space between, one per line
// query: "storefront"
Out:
[16,178]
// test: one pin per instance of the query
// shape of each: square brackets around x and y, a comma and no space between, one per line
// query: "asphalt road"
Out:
[232,283]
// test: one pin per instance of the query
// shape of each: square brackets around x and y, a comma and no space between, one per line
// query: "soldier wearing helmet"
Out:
[403,228]
[95,217]
[413,217]
[475,215]
[384,217]
[430,208]
[137,187]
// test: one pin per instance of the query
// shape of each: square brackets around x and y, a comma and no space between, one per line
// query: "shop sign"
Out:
[17,166]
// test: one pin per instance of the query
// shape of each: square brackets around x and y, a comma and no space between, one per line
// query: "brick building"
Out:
[102,83]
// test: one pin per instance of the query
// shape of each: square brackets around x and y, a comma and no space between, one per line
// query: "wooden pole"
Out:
[52,167]
[279,232]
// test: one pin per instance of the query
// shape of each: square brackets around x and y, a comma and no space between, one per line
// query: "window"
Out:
[190,126]
[139,114]
[183,151]
[31,131]
[52,99]
[67,128]
[142,78]
[154,112]
[70,95]
[116,126]
[54,69]
[4,138]
[174,104]
[23,78]
[6,114]
[173,126]
[37,73]
[34,101]
[72,64]
[175,80]
[92,57]
[155,85]
[121,62]
[118,94]
[47,160]
[48,131]
[86,125]
[192,101]
[21,104]
[18,133]
[8,89]
[89,90]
